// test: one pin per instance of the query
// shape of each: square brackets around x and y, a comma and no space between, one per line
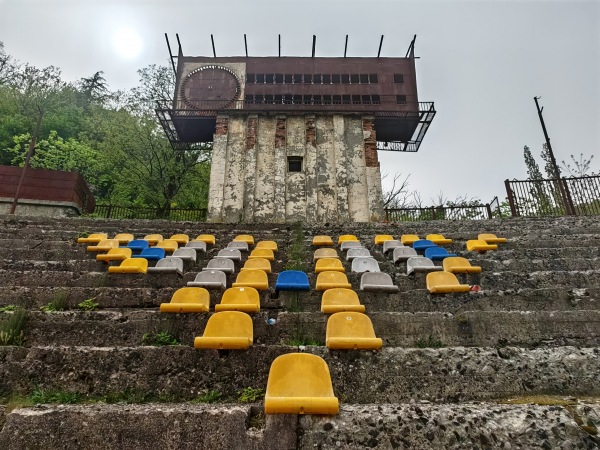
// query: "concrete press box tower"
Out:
[296,138]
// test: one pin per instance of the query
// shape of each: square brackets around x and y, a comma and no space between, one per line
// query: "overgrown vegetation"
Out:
[210,396]
[296,256]
[88,304]
[429,342]
[251,395]
[161,338]
[12,328]
[8,308]
[60,302]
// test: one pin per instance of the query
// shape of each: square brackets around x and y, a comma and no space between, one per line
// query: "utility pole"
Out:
[561,187]
[27,158]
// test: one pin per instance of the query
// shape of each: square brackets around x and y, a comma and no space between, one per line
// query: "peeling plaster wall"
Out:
[340,179]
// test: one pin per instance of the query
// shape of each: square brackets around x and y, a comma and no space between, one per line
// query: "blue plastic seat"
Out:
[292,280]
[138,245]
[423,244]
[151,254]
[437,253]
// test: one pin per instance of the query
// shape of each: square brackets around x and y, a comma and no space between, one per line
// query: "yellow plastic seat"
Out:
[322,240]
[248,239]
[93,238]
[245,299]
[252,278]
[227,330]
[490,238]
[169,245]
[257,264]
[187,300]
[270,245]
[409,239]
[351,331]
[444,283]
[180,238]
[208,238]
[476,245]
[114,254]
[347,238]
[330,280]
[381,238]
[153,239]
[131,265]
[103,246]
[299,383]
[438,239]
[124,238]
[325,253]
[263,253]
[340,300]
[324,264]
[457,264]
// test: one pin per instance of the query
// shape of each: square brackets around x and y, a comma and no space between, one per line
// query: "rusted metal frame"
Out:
[314,45]
[212,40]
[246,45]
[346,46]
[380,44]
[511,199]
[171,57]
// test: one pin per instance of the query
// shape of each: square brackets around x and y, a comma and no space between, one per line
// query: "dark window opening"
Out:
[307,78]
[356,99]
[249,98]
[373,78]
[335,78]
[307,100]
[337,99]
[375,99]
[250,78]
[287,78]
[345,78]
[279,99]
[366,99]
[326,79]
[294,163]
[288,99]
[278,78]
[354,78]
[269,99]
[346,99]
[297,78]
[260,77]
[270,78]
[317,78]
[297,99]
[258,99]
[327,99]
[401,99]
[398,78]
[364,78]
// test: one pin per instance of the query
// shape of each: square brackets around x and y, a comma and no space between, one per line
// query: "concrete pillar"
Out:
[280,166]
[326,172]
[233,190]
[218,171]
[295,188]
[265,168]
[250,167]
[311,169]
[341,166]
[373,172]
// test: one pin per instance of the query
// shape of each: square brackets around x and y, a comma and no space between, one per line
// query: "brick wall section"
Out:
[311,133]
[221,127]
[251,133]
[280,131]
[370,144]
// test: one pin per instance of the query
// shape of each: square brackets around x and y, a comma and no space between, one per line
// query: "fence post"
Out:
[433,215]
[511,199]
[568,199]
[489,210]
[108,211]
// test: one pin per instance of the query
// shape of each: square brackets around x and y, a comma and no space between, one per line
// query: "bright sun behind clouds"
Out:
[127,43]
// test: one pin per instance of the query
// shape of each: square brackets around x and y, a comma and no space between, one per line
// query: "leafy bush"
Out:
[251,395]
[60,302]
[88,305]
[12,329]
[161,338]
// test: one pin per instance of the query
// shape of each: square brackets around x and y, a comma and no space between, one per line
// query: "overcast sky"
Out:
[481,62]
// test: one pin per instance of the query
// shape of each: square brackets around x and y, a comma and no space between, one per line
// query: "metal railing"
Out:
[472,212]
[136,212]
[554,197]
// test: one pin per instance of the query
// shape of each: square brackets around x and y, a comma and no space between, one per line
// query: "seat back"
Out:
[206,238]
[346,245]
[211,277]
[185,253]
[420,264]
[325,253]
[359,252]
[245,238]
[231,253]
[252,278]
[191,295]
[340,299]
[198,245]
[153,239]
[403,253]
[270,245]
[381,238]
[349,324]
[240,245]
[168,244]
[292,280]
[391,245]
[262,253]
[377,282]
[154,253]
[324,264]
[138,244]
[258,264]
[180,238]
[330,279]
[240,295]
[124,238]
[93,238]
[368,264]
[322,240]
[170,263]
[408,239]
[444,282]
[223,264]
[347,237]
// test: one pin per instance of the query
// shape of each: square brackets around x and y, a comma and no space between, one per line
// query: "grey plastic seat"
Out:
[377,282]
[391,245]
[241,246]
[403,253]
[420,264]
[169,264]
[198,245]
[230,253]
[186,254]
[325,253]
[223,264]
[350,244]
[210,279]
[357,253]
[360,265]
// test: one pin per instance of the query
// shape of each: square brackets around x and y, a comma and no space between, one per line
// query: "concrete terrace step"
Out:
[223,427]
[397,329]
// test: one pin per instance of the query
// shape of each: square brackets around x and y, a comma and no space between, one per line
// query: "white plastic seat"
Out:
[420,264]
[357,253]
[230,253]
[210,279]
[169,264]
[403,253]
[350,244]
[198,245]
[368,264]
[223,264]
[377,282]
[391,245]
[185,254]
[241,246]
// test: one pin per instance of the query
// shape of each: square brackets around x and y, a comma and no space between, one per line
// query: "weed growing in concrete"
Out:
[429,342]
[159,339]
[296,258]
[251,395]
[88,305]
[8,308]
[83,234]
[210,396]
[60,302]
[12,329]
[296,342]
[43,396]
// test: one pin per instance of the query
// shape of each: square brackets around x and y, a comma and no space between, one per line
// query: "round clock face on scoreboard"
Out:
[210,87]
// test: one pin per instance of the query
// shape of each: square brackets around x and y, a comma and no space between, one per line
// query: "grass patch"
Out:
[161,338]
[251,395]
[39,396]
[296,257]
[88,305]
[210,396]
[8,308]
[12,329]
[429,342]
[83,234]
[60,302]
[296,342]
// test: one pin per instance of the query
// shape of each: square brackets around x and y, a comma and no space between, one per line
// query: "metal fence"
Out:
[135,212]
[472,212]
[554,197]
